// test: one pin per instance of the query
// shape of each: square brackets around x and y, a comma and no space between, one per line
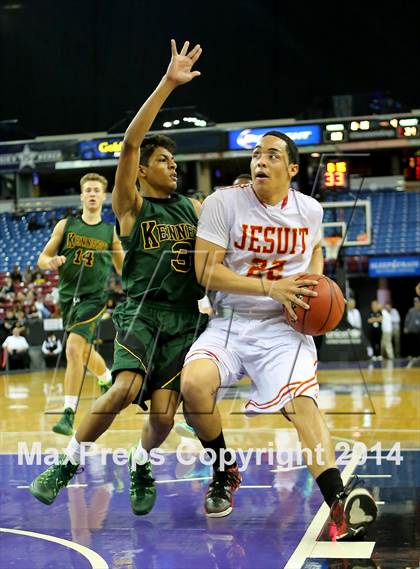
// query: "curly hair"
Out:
[150,143]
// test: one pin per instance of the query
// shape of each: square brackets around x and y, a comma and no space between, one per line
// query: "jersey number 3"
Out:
[183,257]
[258,268]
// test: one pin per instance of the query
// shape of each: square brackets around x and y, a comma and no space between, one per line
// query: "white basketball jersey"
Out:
[261,240]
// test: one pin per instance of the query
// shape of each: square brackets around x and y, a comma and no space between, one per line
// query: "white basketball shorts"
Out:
[280,362]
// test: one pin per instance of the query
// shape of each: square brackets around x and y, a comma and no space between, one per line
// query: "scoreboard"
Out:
[335,174]
[371,129]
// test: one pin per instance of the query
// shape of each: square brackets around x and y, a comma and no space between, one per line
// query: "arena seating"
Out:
[20,245]
[395,226]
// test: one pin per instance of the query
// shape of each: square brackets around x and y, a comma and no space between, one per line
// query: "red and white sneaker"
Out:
[219,498]
[351,513]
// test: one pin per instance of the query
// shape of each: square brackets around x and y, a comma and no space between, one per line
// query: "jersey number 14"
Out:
[87,257]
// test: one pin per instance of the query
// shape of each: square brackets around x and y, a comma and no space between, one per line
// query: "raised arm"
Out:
[49,259]
[126,200]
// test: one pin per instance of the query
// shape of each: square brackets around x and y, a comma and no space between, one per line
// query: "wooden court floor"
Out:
[278,513]
[371,405]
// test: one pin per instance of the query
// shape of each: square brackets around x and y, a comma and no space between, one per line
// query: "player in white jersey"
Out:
[270,233]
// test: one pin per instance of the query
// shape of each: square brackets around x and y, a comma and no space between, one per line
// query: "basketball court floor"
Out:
[278,520]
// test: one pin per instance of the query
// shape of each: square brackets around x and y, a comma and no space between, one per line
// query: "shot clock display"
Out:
[336,174]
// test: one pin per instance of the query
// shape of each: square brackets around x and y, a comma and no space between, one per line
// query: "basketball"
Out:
[325,312]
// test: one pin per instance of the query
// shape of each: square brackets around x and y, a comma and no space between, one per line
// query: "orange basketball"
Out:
[325,312]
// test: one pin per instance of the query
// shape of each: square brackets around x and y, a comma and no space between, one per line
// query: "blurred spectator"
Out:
[396,330]
[386,338]
[19,301]
[412,329]
[32,312]
[52,300]
[9,320]
[6,288]
[17,350]
[20,321]
[418,289]
[38,277]
[29,298]
[242,179]
[374,329]
[27,274]
[42,309]
[16,275]
[354,317]
[51,348]
[54,295]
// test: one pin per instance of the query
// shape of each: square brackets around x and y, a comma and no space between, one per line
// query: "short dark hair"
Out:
[292,149]
[150,143]
[244,177]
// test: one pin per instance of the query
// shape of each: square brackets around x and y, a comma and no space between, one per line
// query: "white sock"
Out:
[140,455]
[71,401]
[106,376]
[73,450]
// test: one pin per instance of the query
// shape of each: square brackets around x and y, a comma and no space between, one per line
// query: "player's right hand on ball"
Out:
[57,261]
[290,290]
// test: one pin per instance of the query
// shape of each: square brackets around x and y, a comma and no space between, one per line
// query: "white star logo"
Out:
[26,157]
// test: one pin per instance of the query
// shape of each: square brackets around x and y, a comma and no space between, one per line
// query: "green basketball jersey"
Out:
[87,249]
[159,261]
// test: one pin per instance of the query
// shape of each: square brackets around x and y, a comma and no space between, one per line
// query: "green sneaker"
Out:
[142,487]
[65,424]
[48,484]
[104,386]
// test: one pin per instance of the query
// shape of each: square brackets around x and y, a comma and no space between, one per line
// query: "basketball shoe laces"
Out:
[340,527]
[141,477]
[58,475]
[224,479]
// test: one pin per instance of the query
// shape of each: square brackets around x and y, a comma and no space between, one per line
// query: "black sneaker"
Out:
[65,424]
[352,512]
[219,498]
[48,484]
[142,487]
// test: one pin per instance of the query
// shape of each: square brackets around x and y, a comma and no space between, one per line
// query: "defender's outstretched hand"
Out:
[179,69]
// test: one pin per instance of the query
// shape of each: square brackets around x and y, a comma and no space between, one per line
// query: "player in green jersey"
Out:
[160,318]
[82,249]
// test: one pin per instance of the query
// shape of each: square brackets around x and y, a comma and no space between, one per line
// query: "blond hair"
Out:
[93,177]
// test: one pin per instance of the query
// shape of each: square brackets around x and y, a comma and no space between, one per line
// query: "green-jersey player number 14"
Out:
[85,257]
